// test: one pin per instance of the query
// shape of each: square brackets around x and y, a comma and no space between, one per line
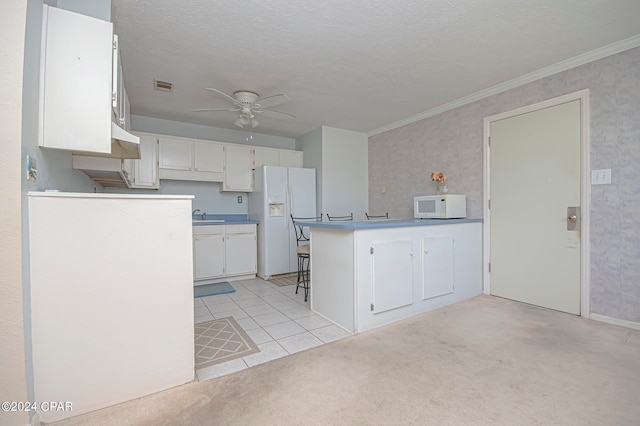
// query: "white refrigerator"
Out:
[277,193]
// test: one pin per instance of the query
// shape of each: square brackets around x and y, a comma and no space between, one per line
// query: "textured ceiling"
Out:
[359,64]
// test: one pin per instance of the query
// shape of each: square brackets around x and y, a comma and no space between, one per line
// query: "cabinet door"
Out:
[266,157]
[208,256]
[437,266]
[240,254]
[238,175]
[290,158]
[175,154]
[146,168]
[392,275]
[209,157]
[76,73]
[116,81]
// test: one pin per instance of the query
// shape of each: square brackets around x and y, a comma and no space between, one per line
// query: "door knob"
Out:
[573,219]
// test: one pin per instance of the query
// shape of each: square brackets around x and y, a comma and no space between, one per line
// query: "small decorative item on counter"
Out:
[440,178]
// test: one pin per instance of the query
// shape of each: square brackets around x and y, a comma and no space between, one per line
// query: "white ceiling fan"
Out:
[248,104]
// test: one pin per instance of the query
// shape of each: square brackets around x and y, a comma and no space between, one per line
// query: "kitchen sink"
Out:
[205,221]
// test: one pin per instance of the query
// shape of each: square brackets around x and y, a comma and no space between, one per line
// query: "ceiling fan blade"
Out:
[214,109]
[275,114]
[212,90]
[274,100]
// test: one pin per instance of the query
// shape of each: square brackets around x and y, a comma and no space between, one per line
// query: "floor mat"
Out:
[221,340]
[283,281]
[212,289]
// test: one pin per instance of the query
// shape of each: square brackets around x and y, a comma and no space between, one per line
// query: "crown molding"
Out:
[593,55]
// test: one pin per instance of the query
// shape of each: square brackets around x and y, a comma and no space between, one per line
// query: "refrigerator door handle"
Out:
[290,197]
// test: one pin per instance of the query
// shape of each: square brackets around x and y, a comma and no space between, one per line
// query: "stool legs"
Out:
[303,275]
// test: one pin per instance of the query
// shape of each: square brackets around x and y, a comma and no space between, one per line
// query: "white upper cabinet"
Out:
[276,157]
[290,158]
[145,170]
[211,161]
[176,154]
[238,174]
[265,157]
[78,99]
[76,78]
[188,159]
[208,157]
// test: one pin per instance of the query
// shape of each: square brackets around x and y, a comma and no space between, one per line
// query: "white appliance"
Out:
[277,193]
[445,206]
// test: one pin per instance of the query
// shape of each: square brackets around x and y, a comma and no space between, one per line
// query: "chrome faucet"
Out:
[203,214]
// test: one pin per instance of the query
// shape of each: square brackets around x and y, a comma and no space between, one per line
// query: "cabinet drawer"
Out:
[240,229]
[208,230]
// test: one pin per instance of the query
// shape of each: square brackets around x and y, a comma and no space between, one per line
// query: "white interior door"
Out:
[534,178]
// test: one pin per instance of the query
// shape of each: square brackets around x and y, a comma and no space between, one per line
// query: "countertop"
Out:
[384,223]
[103,195]
[225,219]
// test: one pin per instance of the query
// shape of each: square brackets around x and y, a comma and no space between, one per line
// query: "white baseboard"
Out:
[35,420]
[615,321]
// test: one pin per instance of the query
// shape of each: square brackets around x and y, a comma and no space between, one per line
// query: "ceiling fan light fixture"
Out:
[245,119]
[248,103]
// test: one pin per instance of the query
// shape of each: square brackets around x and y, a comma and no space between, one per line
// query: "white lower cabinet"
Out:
[392,275]
[437,266]
[208,252]
[365,278]
[222,252]
[240,253]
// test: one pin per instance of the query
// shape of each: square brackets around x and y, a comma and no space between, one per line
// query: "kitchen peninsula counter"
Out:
[366,274]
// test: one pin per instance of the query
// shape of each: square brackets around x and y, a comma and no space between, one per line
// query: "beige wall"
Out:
[13,386]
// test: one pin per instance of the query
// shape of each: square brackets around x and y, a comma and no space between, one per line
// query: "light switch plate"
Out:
[601,177]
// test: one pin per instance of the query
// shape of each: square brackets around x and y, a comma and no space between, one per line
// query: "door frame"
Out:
[585,188]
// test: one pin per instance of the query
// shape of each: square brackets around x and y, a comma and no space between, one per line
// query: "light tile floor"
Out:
[279,321]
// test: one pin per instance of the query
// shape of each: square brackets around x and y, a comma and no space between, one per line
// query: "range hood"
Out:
[107,171]
[123,143]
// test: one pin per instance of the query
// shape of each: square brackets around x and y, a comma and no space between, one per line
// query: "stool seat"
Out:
[306,249]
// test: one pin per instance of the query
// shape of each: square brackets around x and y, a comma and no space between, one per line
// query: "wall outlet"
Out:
[32,170]
[239,199]
[601,177]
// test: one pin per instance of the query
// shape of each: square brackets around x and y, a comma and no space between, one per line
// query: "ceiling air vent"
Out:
[165,86]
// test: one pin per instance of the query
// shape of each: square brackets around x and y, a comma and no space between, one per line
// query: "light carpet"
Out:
[485,361]
[221,340]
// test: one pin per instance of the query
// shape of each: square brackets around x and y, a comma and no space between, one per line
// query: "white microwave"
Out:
[445,206]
